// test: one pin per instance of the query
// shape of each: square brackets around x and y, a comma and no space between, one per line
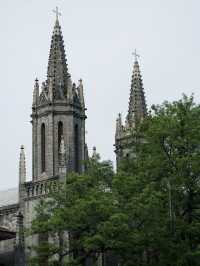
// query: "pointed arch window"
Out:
[60,133]
[43,148]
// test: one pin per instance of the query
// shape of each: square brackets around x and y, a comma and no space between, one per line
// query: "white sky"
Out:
[100,36]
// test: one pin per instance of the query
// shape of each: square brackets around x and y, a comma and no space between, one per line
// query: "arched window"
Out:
[60,133]
[76,147]
[43,159]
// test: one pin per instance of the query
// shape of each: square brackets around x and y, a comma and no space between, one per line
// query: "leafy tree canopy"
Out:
[146,214]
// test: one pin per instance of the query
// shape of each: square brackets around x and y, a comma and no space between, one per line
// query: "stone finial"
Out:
[36,92]
[118,126]
[22,166]
[95,155]
[80,93]
[69,90]
[74,91]
[51,89]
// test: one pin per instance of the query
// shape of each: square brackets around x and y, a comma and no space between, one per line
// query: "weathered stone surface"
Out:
[59,101]
[137,111]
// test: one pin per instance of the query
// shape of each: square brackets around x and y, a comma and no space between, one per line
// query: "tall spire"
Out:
[36,93]
[80,93]
[137,104]
[118,126]
[22,166]
[57,65]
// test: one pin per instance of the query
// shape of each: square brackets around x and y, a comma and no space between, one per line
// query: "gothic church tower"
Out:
[58,117]
[58,145]
[137,111]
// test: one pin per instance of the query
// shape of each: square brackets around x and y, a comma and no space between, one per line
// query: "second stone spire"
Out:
[137,110]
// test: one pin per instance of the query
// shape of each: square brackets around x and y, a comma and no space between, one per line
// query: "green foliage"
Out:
[159,189]
[146,214]
[80,207]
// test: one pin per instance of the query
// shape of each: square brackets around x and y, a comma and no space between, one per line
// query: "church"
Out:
[58,146]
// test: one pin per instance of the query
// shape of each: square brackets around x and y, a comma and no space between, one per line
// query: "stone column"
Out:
[19,245]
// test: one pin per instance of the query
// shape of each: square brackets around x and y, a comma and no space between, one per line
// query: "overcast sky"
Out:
[100,36]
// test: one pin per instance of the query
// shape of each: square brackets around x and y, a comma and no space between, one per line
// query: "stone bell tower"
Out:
[58,117]
[137,111]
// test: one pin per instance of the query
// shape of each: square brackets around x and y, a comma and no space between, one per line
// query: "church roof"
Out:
[137,104]
[57,74]
[8,197]
[137,108]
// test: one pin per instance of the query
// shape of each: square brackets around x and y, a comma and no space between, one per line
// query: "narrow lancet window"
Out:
[60,133]
[43,157]
[76,144]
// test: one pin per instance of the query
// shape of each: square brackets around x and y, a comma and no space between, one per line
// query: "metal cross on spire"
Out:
[57,13]
[136,55]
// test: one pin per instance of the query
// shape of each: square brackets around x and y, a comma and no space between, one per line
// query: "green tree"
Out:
[158,191]
[80,207]
[146,214]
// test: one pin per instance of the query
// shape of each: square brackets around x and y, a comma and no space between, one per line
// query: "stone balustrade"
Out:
[40,188]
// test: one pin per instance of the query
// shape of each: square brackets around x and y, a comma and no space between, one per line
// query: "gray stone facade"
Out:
[137,111]
[58,143]
[59,102]
[58,147]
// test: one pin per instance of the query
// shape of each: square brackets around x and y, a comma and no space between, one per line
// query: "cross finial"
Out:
[136,55]
[57,13]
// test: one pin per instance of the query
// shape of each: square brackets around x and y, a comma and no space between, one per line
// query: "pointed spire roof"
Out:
[57,65]
[118,126]
[80,93]
[22,166]
[36,92]
[137,104]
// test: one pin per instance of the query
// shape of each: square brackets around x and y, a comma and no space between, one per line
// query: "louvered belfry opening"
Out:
[60,133]
[43,148]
